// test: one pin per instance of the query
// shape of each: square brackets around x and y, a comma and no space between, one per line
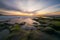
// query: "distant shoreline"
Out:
[10,15]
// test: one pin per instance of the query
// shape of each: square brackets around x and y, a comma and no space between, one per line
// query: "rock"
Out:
[49,30]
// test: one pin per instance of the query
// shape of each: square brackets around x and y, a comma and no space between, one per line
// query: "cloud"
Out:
[7,6]
[3,6]
[26,5]
[9,12]
[18,5]
[50,9]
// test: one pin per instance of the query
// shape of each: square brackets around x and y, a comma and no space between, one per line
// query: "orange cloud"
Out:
[8,12]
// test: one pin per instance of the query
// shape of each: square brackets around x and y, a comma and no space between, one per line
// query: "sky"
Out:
[36,6]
